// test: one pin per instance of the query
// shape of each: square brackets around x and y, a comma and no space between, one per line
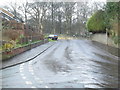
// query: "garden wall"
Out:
[14,52]
[102,38]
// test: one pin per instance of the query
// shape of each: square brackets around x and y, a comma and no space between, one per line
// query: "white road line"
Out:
[23,64]
[30,63]
[78,67]
[36,78]
[28,82]
[24,77]
[21,70]
[32,73]
[31,70]
[75,78]
[33,87]
[30,66]
[22,74]
[40,81]
[46,87]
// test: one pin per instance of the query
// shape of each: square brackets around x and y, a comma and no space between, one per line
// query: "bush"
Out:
[8,46]
[11,34]
[50,40]
[96,23]
[116,40]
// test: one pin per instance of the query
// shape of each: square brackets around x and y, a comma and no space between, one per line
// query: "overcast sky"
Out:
[7,2]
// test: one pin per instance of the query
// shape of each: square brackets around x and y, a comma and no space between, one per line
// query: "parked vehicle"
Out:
[53,37]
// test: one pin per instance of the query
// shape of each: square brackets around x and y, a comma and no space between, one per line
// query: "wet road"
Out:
[67,64]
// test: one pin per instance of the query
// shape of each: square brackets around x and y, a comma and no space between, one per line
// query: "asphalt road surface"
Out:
[67,64]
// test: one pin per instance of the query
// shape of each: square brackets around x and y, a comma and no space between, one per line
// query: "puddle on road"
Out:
[92,69]
[107,58]
[67,54]
[56,66]
[103,74]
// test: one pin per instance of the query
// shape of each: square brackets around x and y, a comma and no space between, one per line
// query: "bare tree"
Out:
[37,12]
[68,13]
[56,17]
[14,9]
[24,9]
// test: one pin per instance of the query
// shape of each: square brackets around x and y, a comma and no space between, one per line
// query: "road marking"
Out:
[40,81]
[78,67]
[63,73]
[33,87]
[46,87]
[30,67]
[30,62]
[21,71]
[22,64]
[24,77]
[75,78]
[32,73]
[22,74]
[21,68]
[28,82]
[30,70]
[36,78]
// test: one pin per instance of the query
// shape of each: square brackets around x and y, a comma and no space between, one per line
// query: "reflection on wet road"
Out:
[67,64]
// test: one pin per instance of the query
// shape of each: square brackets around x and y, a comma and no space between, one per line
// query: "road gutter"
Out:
[28,59]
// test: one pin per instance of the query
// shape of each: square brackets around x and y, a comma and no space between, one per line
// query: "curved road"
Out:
[67,64]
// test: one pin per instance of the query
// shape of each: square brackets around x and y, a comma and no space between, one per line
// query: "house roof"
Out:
[6,12]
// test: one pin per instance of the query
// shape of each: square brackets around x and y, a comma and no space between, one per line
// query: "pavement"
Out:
[26,56]
[66,64]
[110,49]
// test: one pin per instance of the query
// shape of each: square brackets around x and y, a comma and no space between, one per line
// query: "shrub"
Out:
[117,39]
[12,34]
[96,22]
[50,40]
[8,46]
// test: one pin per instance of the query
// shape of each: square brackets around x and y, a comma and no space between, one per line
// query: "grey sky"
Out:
[7,2]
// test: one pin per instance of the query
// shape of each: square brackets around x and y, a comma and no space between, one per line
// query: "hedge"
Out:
[96,23]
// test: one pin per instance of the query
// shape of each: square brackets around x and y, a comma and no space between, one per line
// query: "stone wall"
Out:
[102,38]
